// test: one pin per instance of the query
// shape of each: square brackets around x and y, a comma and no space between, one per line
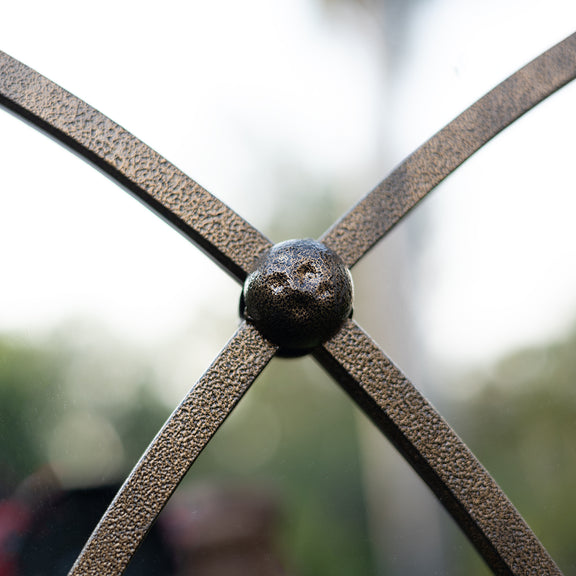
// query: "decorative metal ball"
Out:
[299,295]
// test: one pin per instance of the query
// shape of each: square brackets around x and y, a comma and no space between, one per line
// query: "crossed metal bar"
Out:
[389,399]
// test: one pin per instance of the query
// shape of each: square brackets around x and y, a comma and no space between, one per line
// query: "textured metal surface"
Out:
[201,217]
[299,295]
[378,212]
[172,452]
[434,450]
[424,439]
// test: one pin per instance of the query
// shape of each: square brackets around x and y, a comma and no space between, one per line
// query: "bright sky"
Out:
[223,89]
[500,271]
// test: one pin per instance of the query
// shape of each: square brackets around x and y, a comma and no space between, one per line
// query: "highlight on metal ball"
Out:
[299,295]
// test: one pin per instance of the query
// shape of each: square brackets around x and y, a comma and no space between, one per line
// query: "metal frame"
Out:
[425,440]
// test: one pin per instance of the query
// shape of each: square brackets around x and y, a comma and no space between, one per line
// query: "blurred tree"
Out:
[295,435]
[45,389]
[521,423]
[29,380]
[394,21]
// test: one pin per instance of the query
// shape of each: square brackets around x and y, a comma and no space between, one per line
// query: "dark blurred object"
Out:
[204,532]
[14,519]
[225,532]
[59,527]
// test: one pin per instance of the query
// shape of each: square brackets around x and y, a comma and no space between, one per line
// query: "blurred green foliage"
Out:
[28,384]
[294,434]
[314,466]
[43,384]
[521,424]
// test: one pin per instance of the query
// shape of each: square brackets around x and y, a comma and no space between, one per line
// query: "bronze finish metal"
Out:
[298,296]
[425,440]
[172,452]
[378,212]
[435,452]
[209,223]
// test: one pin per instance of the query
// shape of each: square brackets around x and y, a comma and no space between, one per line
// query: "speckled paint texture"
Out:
[426,441]
[378,212]
[434,450]
[201,217]
[172,452]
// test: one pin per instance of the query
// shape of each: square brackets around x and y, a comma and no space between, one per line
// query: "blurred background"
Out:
[289,111]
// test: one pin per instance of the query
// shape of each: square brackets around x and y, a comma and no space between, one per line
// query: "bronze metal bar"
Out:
[172,452]
[378,212]
[208,222]
[436,453]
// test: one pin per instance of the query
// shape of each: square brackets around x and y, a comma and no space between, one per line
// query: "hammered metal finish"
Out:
[201,217]
[378,212]
[172,452]
[427,442]
[436,453]
[299,295]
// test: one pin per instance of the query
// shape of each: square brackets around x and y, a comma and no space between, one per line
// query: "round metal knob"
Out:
[298,296]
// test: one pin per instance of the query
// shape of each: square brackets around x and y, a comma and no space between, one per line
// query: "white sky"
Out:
[221,89]
[500,267]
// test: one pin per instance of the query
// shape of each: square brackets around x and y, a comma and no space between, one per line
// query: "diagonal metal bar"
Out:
[378,212]
[201,217]
[434,450]
[172,452]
